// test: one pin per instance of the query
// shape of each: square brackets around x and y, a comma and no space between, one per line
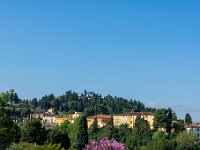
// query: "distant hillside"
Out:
[88,102]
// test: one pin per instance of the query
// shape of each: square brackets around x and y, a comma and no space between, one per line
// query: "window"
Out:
[198,134]
[198,129]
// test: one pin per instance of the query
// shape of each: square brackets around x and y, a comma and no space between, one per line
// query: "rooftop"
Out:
[193,125]
[99,117]
[135,113]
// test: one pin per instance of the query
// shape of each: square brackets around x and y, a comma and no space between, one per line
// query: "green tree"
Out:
[186,140]
[95,126]
[123,132]
[65,127]
[163,119]
[93,131]
[55,136]
[8,129]
[82,134]
[177,126]
[33,132]
[140,135]
[188,119]
[71,129]
[159,141]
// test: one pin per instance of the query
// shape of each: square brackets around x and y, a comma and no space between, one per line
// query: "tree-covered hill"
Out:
[88,102]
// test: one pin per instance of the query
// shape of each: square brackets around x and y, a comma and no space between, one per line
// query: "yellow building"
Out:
[71,118]
[129,118]
[102,120]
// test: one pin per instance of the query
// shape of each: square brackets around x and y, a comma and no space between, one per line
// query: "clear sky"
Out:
[142,49]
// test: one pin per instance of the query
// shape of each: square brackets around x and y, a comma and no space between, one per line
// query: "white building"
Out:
[194,127]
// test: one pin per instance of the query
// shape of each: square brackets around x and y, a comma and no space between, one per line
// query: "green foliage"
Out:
[82,134]
[85,102]
[178,127]
[186,140]
[72,130]
[65,127]
[163,119]
[29,146]
[93,131]
[33,132]
[9,131]
[123,131]
[55,136]
[140,135]
[158,141]
[188,119]
[95,126]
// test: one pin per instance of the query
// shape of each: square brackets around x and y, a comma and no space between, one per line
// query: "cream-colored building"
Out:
[48,118]
[102,120]
[130,117]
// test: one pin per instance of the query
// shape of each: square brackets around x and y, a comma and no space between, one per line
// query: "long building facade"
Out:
[130,117]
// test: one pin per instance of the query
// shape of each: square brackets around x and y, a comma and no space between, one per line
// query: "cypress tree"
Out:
[95,126]
[94,130]
[82,134]
[188,119]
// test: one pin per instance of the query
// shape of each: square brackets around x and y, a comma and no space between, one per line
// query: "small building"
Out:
[48,118]
[194,127]
[102,120]
[130,117]
[39,113]
[71,118]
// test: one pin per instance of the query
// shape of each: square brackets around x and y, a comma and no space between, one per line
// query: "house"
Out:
[194,127]
[130,117]
[102,120]
[59,119]
[48,118]
[39,113]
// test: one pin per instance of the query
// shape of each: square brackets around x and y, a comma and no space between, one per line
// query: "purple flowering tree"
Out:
[105,144]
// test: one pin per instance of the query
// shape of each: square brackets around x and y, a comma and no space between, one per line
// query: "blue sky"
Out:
[145,50]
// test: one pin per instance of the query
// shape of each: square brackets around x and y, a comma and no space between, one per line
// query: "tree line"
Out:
[88,102]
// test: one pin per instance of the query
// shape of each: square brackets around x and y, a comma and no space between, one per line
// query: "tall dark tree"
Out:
[15,98]
[82,134]
[163,119]
[34,102]
[94,129]
[188,119]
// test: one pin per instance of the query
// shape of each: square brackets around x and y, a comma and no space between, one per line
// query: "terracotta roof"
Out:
[135,113]
[99,117]
[193,125]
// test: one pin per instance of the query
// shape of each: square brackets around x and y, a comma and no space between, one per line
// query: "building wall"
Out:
[196,130]
[129,119]
[102,121]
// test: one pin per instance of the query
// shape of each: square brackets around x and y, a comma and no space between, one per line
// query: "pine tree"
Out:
[82,134]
